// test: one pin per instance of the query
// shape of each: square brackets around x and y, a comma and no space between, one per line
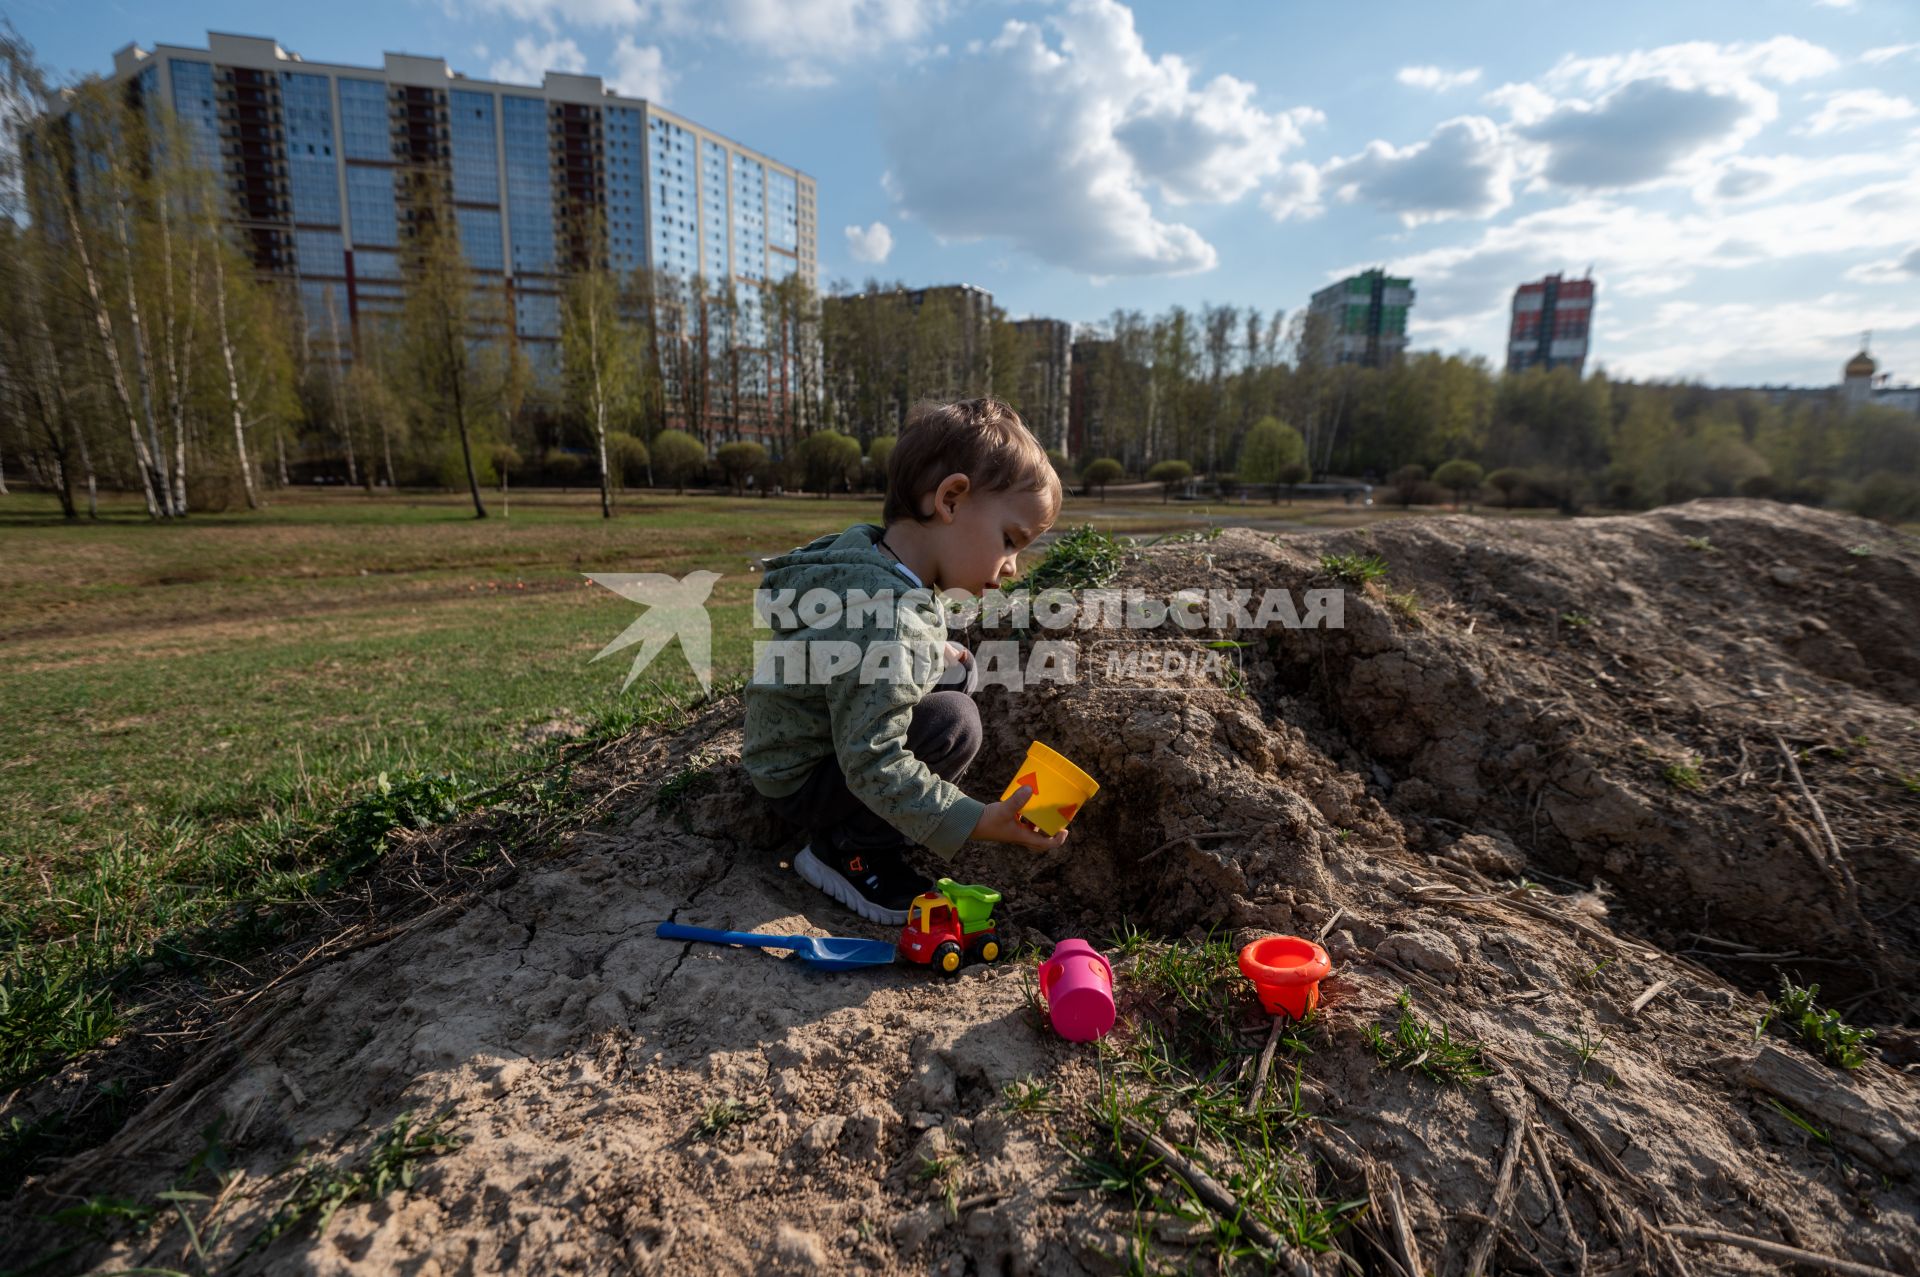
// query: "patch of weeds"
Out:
[1860,551]
[416,800]
[322,1190]
[1576,620]
[722,1116]
[1911,783]
[1797,1014]
[47,1012]
[1354,569]
[1178,1065]
[1583,1048]
[1702,545]
[1684,776]
[1084,558]
[1414,1044]
[943,1173]
[102,1217]
[1405,602]
[1028,1096]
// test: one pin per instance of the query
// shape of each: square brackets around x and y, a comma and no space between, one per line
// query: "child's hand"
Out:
[1000,822]
[957,654]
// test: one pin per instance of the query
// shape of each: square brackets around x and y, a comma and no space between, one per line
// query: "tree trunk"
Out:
[233,381]
[339,395]
[110,352]
[451,347]
[599,407]
[143,370]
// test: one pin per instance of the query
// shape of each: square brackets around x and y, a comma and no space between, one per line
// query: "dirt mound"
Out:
[1695,727]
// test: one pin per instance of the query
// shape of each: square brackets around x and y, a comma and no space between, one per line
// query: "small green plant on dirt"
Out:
[1860,551]
[1911,783]
[1028,1096]
[1576,620]
[321,1190]
[944,1173]
[1414,1044]
[722,1116]
[1405,603]
[1798,1121]
[1796,1012]
[1582,1047]
[1084,558]
[1354,569]
[1685,775]
[1590,978]
[1703,545]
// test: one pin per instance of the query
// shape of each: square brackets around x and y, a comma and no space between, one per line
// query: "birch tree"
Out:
[600,362]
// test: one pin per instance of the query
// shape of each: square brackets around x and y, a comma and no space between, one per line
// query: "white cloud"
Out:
[808,34]
[639,71]
[1051,139]
[1756,341]
[1745,178]
[1641,252]
[1641,132]
[1837,4]
[1854,109]
[1887,53]
[870,243]
[1465,168]
[1436,78]
[1294,193]
[552,13]
[530,60]
[1697,63]
[636,70]
[1888,270]
[1652,115]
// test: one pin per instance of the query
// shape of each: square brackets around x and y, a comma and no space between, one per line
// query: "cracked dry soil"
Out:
[1477,790]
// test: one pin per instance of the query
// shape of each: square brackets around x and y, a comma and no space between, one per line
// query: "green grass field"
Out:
[186,704]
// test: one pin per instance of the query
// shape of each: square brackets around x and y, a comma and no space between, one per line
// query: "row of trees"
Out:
[1238,396]
[142,348]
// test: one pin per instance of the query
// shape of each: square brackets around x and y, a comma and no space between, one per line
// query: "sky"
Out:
[1742,179]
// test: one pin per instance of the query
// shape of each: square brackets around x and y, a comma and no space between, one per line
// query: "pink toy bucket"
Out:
[1077,984]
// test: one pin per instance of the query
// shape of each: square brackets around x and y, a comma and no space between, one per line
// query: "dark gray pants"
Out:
[944,734]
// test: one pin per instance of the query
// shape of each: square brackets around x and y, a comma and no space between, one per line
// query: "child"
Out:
[866,767]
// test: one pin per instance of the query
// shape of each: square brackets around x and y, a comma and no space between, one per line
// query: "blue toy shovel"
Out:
[830,953]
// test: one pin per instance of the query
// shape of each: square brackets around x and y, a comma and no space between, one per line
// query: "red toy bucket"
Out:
[1286,971]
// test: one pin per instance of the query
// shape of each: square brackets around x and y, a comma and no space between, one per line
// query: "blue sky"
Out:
[1743,178]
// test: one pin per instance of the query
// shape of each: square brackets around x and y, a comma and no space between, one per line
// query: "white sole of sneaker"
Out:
[828,879]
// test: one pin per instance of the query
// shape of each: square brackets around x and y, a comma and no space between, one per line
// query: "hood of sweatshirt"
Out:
[839,561]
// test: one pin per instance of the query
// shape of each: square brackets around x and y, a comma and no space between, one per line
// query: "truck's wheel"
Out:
[989,949]
[947,957]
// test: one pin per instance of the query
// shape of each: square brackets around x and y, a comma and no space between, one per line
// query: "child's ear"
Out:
[946,498]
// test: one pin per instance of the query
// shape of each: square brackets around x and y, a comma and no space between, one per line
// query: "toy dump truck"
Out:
[950,926]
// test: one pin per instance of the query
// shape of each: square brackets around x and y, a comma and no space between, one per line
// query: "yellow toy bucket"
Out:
[1059,789]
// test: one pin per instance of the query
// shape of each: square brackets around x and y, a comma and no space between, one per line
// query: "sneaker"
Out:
[876,885]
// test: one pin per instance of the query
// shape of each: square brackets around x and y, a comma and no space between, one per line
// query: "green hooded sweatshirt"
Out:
[792,725]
